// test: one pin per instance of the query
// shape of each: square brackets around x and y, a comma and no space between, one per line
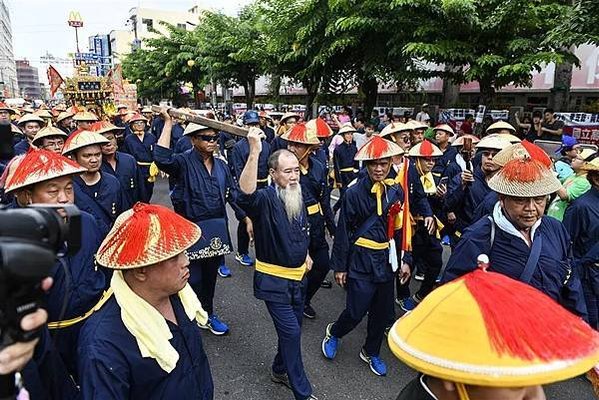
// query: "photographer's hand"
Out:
[14,357]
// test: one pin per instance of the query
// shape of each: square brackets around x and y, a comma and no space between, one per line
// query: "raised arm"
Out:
[249,176]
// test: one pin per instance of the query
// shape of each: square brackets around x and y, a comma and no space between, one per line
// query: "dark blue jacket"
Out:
[22,147]
[582,222]
[103,200]
[269,132]
[278,143]
[508,255]
[443,162]
[316,191]
[111,362]
[183,144]
[141,151]
[343,157]
[463,202]
[129,177]
[277,241]
[239,156]
[357,206]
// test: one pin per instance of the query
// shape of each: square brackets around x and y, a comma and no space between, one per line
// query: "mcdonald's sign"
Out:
[75,19]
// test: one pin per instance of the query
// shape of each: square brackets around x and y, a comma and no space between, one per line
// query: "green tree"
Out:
[494,42]
[232,49]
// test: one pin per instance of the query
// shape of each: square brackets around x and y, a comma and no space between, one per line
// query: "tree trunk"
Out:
[487,93]
[451,90]
[249,88]
[274,88]
[560,94]
[368,90]
[311,85]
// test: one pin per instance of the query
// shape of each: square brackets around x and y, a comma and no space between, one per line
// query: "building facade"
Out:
[100,46]
[28,79]
[9,86]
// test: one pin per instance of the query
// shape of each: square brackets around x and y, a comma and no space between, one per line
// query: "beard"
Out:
[291,196]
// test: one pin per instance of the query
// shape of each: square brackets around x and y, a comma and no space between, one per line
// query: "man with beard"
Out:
[520,242]
[119,164]
[96,192]
[316,194]
[203,188]
[282,260]
[468,189]
[363,253]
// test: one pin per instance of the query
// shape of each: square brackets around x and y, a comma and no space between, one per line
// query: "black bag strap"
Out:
[533,260]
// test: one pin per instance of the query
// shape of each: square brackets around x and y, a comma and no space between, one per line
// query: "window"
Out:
[149,23]
[182,26]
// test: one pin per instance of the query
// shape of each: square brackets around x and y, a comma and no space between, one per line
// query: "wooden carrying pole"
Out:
[210,123]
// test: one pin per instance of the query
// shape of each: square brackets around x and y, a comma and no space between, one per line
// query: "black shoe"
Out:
[326,284]
[309,312]
[283,379]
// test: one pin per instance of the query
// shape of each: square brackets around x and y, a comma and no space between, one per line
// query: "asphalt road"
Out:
[241,361]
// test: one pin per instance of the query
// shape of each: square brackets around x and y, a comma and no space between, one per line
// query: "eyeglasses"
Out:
[208,138]
[54,145]
[489,153]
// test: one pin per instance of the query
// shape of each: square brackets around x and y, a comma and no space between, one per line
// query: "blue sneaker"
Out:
[244,259]
[330,343]
[216,326]
[377,365]
[224,271]
[408,304]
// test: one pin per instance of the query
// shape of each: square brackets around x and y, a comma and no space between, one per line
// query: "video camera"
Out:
[31,240]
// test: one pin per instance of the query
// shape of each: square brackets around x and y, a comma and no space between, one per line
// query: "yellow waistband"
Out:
[70,322]
[314,209]
[371,244]
[144,164]
[294,274]
[348,169]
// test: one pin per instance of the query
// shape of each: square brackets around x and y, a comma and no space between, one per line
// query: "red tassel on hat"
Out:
[150,231]
[39,162]
[298,132]
[377,147]
[536,153]
[426,148]
[525,170]
[516,317]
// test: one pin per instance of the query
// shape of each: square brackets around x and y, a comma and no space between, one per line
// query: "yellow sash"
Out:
[371,244]
[294,274]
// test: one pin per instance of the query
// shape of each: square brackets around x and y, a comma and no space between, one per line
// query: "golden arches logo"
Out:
[75,19]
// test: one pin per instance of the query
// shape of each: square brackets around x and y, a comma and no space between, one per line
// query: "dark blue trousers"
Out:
[243,239]
[288,323]
[319,271]
[202,279]
[363,297]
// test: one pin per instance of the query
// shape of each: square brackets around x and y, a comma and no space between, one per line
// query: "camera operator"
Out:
[46,177]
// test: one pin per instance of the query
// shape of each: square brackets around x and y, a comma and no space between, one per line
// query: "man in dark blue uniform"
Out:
[582,222]
[316,194]
[30,124]
[121,165]
[140,144]
[268,131]
[204,186]
[468,189]
[46,177]
[520,242]
[344,164]
[281,240]
[96,192]
[443,133]
[144,342]
[364,262]
[237,161]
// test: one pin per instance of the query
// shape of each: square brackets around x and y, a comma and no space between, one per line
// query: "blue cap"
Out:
[568,142]
[251,117]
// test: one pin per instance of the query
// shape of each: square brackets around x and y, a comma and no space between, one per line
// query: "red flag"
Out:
[54,79]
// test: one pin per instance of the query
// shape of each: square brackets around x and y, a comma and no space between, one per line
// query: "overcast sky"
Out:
[41,25]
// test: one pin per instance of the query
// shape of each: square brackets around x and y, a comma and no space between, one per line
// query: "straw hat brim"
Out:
[544,186]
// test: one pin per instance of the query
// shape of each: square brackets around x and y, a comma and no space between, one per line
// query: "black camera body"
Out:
[31,240]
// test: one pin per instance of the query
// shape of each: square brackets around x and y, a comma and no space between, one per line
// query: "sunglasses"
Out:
[207,138]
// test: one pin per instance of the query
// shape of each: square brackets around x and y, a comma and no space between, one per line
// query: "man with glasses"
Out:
[120,165]
[520,241]
[203,188]
[469,188]
[141,146]
[50,138]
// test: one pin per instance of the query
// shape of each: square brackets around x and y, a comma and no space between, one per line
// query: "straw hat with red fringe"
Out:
[425,149]
[378,148]
[518,151]
[145,235]
[39,165]
[81,138]
[486,329]
[104,127]
[301,134]
[4,107]
[525,178]
[320,127]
